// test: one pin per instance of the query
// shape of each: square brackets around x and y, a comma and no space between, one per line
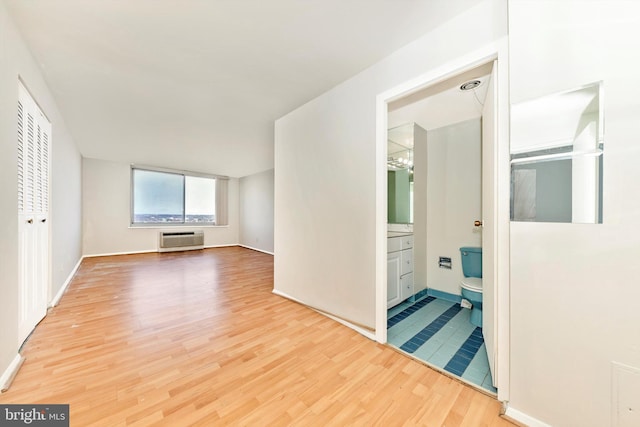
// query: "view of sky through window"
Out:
[200,196]
[164,197]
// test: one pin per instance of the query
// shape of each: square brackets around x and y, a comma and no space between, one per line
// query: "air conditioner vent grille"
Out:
[180,240]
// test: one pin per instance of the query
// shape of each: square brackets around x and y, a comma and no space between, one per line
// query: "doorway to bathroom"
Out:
[454,166]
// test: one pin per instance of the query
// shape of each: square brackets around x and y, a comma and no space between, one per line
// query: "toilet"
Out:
[472,283]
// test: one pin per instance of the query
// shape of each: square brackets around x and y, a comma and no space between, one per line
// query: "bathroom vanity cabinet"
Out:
[399,269]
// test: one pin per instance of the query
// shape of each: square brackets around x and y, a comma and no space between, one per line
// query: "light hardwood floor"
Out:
[197,338]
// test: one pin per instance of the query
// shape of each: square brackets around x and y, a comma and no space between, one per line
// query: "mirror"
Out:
[557,156]
[400,174]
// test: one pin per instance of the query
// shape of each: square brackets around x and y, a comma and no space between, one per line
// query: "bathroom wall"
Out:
[546,197]
[453,200]
[573,288]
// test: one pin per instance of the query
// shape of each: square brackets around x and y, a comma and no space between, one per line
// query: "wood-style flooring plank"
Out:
[198,338]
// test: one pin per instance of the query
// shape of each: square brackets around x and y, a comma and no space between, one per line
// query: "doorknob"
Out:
[30,221]
[43,220]
[477,223]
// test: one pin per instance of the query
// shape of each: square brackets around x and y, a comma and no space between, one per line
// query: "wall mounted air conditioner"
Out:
[170,241]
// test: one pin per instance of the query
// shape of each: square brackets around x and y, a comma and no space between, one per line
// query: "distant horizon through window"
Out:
[172,198]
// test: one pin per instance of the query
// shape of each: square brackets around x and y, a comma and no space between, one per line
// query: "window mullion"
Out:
[184,199]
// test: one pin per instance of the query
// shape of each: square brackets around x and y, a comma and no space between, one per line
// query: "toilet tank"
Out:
[471,261]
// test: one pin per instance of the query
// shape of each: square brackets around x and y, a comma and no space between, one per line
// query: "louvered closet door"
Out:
[34,140]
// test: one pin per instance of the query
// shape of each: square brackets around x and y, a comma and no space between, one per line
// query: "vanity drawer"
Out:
[406,261]
[407,242]
[406,286]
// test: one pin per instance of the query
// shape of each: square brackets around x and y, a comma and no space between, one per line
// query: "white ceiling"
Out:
[442,104]
[197,84]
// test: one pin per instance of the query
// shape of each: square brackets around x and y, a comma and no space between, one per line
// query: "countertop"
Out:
[398,233]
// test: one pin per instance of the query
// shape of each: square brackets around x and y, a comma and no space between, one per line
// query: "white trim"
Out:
[503,216]
[148,251]
[367,333]
[222,246]
[63,288]
[180,249]
[497,50]
[255,249]
[381,224]
[523,418]
[10,373]
[120,253]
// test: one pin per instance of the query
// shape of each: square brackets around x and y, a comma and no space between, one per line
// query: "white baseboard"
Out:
[10,373]
[523,418]
[155,250]
[63,289]
[367,333]
[121,253]
[222,246]
[256,249]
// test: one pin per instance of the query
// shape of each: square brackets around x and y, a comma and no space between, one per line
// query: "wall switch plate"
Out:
[625,395]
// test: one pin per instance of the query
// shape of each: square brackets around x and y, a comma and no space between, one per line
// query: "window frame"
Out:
[183,173]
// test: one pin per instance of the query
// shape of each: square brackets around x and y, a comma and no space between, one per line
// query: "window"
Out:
[175,198]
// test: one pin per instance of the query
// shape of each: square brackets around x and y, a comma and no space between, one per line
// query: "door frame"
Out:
[496,51]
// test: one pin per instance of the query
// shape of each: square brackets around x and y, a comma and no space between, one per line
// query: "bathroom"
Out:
[434,210]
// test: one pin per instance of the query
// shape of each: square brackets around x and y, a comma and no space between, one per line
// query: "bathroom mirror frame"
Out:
[557,146]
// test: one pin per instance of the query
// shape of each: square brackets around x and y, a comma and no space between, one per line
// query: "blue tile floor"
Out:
[438,332]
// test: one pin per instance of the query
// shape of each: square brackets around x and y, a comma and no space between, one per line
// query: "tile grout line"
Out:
[465,354]
[430,330]
[394,320]
[467,346]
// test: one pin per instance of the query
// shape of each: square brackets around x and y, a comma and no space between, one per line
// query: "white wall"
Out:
[106,199]
[574,290]
[256,211]
[454,200]
[65,205]
[325,195]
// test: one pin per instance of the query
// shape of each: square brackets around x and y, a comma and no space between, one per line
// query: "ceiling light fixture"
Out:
[471,84]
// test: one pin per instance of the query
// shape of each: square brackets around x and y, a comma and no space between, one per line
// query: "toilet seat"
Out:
[472,284]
